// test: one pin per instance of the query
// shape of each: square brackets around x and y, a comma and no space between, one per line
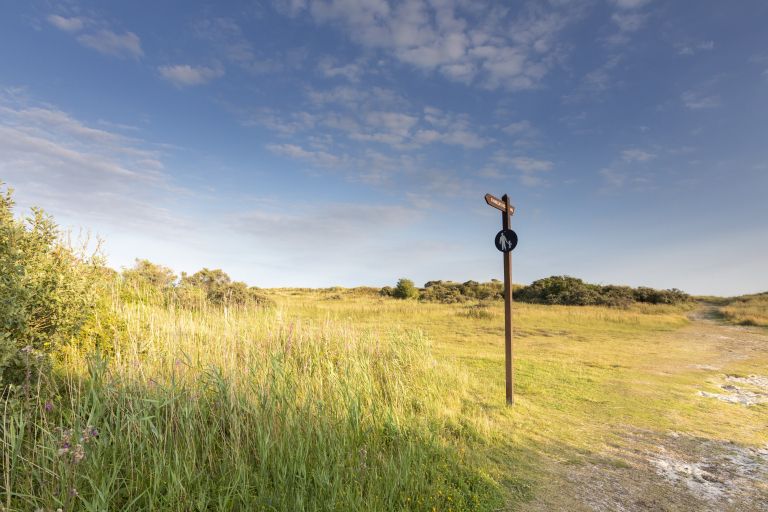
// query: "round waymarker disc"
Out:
[506,240]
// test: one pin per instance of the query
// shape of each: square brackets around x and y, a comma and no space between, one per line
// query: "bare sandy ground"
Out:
[675,471]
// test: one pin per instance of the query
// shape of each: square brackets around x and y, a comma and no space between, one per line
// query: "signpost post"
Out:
[506,241]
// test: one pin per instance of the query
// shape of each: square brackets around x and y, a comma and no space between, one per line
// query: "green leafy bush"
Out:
[448,292]
[405,289]
[47,290]
[568,290]
[220,290]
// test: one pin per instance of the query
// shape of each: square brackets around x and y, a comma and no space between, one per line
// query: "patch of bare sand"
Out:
[723,475]
[649,472]
[748,391]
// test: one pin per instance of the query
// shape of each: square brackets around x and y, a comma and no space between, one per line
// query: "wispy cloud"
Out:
[595,82]
[472,43]
[184,75]
[329,68]
[630,4]
[636,155]
[80,171]
[317,158]
[97,35]
[529,170]
[375,116]
[693,48]
[697,100]
[229,42]
[73,24]
[107,42]
[627,19]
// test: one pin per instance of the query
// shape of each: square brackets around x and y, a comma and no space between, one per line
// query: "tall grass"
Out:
[747,310]
[248,410]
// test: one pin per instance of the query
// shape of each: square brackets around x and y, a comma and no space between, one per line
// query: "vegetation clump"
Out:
[157,284]
[405,289]
[747,310]
[571,291]
[562,290]
[47,290]
[162,395]
[448,292]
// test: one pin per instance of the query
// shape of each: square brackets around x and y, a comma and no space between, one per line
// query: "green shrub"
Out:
[47,290]
[148,283]
[405,289]
[571,291]
[220,290]
[448,292]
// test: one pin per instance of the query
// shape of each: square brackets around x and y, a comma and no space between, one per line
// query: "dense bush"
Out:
[405,289]
[564,290]
[568,290]
[448,292]
[47,290]
[149,282]
[220,290]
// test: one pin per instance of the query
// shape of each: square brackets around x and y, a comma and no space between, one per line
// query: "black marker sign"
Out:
[506,240]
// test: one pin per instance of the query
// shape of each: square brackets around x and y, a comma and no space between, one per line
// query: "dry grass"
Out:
[341,400]
[747,310]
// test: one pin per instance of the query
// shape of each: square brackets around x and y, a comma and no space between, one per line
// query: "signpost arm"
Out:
[508,308]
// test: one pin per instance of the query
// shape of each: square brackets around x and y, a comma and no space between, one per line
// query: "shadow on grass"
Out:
[102,442]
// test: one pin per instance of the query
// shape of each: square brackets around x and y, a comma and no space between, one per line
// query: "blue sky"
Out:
[340,142]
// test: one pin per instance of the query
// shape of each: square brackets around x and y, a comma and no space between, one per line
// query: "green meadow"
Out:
[343,399]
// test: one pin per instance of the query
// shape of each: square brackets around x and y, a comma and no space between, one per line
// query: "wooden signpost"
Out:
[506,241]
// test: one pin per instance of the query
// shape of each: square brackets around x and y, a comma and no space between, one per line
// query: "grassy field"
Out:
[343,400]
[747,310]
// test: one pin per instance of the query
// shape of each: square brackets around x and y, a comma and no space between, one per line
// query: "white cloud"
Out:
[693,48]
[466,42]
[519,128]
[330,69]
[377,115]
[82,173]
[284,125]
[111,43]
[636,155]
[696,100]
[97,35]
[630,4]
[529,170]
[73,24]
[231,44]
[531,165]
[319,158]
[184,75]
[629,22]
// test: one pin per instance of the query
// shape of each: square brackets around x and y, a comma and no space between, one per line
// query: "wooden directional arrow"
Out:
[498,204]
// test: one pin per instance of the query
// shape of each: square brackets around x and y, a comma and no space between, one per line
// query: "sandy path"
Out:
[675,471]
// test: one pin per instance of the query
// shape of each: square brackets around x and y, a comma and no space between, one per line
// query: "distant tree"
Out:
[405,289]
[219,289]
[152,274]
[207,279]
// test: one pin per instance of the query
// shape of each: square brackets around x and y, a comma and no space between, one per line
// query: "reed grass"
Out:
[248,410]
